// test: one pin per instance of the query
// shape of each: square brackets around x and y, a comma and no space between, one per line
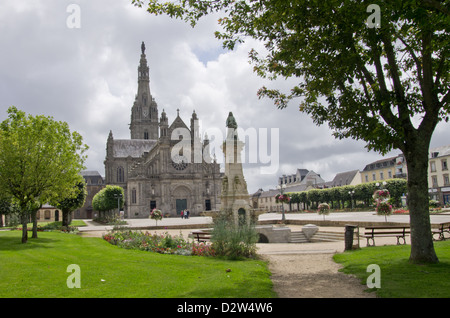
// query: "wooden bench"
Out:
[443,227]
[202,236]
[385,231]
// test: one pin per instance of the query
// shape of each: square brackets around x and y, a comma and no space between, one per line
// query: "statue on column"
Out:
[232,126]
[143,47]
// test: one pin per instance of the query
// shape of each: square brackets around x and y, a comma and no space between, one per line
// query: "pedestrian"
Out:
[187,214]
[182,213]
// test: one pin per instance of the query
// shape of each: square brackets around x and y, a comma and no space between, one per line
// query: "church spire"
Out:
[144,113]
[143,70]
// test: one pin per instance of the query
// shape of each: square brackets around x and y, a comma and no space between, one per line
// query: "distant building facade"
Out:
[94,183]
[438,174]
[301,180]
[302,177]
[48,213]
[151,168]
[384,169]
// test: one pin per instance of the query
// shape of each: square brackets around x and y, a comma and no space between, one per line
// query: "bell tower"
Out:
[144,113]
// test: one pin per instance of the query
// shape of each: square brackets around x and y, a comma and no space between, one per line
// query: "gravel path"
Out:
[312,276]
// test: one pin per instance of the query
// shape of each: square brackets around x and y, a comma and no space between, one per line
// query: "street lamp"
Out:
[351,196]
[282,188]
[118,196]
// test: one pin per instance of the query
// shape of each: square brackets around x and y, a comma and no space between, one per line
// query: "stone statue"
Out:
[232,126]
[143,47]
[231,122]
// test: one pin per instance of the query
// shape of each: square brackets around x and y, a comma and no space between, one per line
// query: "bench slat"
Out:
[393,233]
[386,231]
[202,236]
[443,228]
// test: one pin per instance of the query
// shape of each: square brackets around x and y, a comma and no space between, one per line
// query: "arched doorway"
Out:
[181,197]
[242,217]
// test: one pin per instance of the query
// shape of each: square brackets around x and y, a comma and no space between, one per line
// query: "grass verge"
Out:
[39,269]
[398,277]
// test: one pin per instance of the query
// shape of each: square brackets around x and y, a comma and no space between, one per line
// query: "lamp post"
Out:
[351,196]
[282,188]
[118,196]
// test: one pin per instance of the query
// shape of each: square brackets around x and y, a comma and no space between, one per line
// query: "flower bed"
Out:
[159,243]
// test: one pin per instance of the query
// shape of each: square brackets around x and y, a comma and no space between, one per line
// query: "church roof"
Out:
[177,123]
[132,147]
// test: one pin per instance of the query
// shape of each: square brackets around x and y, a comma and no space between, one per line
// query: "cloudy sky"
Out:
[84,72]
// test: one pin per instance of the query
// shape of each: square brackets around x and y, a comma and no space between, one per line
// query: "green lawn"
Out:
[39,269]
[399,278]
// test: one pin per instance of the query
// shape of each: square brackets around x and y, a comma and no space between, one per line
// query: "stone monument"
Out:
[235,200]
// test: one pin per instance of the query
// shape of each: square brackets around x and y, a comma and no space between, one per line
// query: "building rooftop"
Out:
[132,147]
[439,151]
[343,178]
[383,163]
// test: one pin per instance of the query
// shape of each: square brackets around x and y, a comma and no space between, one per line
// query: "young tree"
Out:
[40,159]
[378,72]
[109,198]
[73,201]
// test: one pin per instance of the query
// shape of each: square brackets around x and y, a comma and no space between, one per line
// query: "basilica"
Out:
[161,166]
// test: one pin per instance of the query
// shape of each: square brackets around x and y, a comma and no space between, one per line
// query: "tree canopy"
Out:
[40,160]
[109,198]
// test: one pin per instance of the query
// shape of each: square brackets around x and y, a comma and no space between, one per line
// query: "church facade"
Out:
[161,166]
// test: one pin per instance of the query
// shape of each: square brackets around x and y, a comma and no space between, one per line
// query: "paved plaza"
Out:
[197,221]
[184,226]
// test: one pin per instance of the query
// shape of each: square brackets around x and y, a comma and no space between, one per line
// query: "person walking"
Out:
[182,213]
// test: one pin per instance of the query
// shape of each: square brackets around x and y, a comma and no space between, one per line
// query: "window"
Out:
[145,134]
[133,196]
[120,174]
[208,205]
[374,177]
[367,178]
[389,174]
[444,164]
[446,180]
[381,175]
[434,181]
[433,166]
[47,214]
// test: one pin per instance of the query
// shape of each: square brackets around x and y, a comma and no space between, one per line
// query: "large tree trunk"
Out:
[66,217]
[422,249]
[24,219]
[34,219]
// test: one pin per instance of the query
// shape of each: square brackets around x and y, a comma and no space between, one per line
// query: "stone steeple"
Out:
[144,113]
